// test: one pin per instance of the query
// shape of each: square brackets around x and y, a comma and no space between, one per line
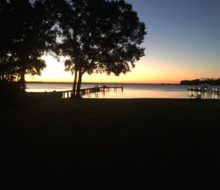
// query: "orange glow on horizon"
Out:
[146,71]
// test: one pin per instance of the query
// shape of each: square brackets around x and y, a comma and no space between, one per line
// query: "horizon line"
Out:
[63,82]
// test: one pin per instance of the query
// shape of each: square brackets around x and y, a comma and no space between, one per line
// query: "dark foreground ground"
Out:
[110,144]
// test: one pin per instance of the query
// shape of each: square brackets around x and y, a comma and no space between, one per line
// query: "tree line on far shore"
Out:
[95,36]
[210,81]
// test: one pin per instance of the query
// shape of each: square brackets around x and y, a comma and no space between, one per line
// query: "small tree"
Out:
[101,36]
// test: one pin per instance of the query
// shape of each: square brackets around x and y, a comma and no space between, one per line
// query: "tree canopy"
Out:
[26,33]
[100,36]
[95,36]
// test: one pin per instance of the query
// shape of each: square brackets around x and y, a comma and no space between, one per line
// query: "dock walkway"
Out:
[204,89]
[84,91]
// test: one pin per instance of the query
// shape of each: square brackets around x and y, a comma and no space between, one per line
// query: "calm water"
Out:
[130,91]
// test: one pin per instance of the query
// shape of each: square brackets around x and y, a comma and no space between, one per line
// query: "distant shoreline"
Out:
[208,81]
[36,82]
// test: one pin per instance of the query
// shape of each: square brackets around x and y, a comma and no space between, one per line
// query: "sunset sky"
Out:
[183,42]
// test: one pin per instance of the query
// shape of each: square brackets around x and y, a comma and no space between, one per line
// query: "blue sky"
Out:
[186,31]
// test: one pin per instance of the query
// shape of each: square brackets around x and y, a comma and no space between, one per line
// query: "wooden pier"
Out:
[203,90]
[84,91]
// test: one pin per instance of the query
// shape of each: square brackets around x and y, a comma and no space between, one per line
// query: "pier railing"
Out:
[84,91]
[197,92]
[205,90]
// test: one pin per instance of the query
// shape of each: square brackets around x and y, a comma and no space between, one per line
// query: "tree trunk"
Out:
[2,75]
[22,80]
[79,84]
[74,83]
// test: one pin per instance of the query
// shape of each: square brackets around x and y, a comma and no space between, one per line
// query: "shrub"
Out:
[10,92]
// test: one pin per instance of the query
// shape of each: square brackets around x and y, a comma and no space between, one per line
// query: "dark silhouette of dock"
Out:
[84,91]
[96,89]
[205,89]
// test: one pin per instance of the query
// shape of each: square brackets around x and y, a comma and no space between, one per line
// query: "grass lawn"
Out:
[110,144]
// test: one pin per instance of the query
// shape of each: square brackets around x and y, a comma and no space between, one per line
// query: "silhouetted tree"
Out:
[101,36]
[27,34]
[204,81]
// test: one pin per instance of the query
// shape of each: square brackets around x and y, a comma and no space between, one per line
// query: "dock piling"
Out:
[85,91]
